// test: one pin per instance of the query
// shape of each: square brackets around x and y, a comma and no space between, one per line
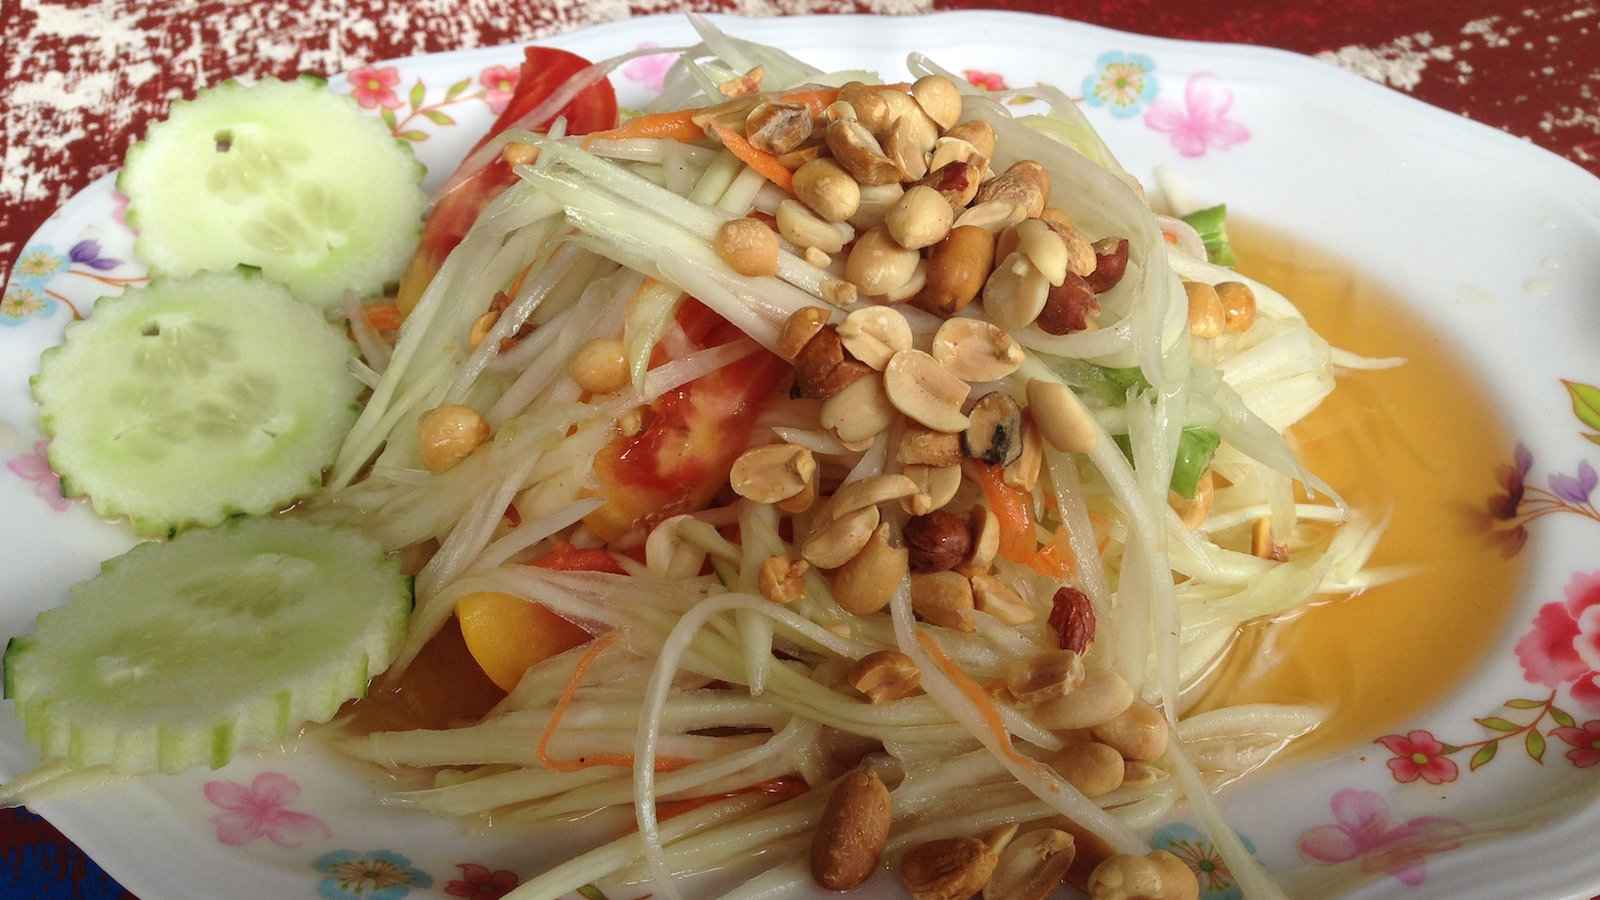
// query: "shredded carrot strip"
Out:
[975,693]
[677,125]
[383,316]
[1055,559]
[760,160]
[620,760]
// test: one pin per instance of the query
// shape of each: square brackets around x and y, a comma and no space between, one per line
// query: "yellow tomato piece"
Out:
[507,635]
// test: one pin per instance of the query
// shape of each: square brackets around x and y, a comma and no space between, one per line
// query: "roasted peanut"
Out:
[1093,768]
[1151,877]
[821,369]
[1032,866]
[874,334]
[1238,305]
[1069,307]
[851,832]
[1101,697]
[1206,317]
[860,412]
[947,869]
[877,264]
[936,487]
[943,599]
[448,434]
[805,229]
[937,541]
[1046,249]
[827,189]
[860,153]
[947,150]
[834,543]
[925,447]
[1192,511]
[995,597]
[1062,418]
[781,579]
[1044,677]
[748,246]
[1262,543]
[921,389]
[994,432]
[984,526]
[993,215]
[798,330]
[908,143]
[1026,185]
[870,105]
[1015,293]
[869,492]
[939,98]
[957,268]
[1138,732]
[885,676]
[864,584]
[876,201]
[778,128]
[957,182]
[772,473]
[919,219]
[1023,472]
[600,366]
[912,287]
[976,351]
[978,133]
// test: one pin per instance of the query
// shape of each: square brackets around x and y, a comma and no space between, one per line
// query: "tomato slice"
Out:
[544,69]
[692,435]
[507,635]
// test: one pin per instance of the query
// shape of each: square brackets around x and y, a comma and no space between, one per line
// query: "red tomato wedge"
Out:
[690,439]
[544,69]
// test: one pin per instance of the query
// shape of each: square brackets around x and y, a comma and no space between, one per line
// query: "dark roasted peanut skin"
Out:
[1111,260]
[937,541]
[1069,307]
[822,369]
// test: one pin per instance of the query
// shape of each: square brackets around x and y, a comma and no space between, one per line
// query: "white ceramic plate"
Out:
[1491,238]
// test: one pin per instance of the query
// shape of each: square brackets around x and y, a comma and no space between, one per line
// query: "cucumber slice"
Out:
[185,402]
[286,176]
[178,654]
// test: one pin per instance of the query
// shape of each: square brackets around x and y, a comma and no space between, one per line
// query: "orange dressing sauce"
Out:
[1422,440]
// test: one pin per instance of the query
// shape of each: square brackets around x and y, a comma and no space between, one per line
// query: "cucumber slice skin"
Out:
[185,402]
[284,176]
[180,654]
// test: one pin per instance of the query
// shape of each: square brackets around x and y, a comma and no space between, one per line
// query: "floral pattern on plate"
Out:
[34,467]
[375,875]
[1202,123]
[1364,833]
[33,291]
[1198,853]
[481,882]
[1123,83]
[260,810]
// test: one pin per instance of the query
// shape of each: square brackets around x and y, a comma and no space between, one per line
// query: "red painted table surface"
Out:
[80,78]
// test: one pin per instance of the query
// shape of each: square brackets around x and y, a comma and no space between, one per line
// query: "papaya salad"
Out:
[840,474]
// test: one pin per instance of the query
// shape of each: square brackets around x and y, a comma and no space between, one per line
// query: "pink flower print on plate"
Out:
[261,810]
[374,87]
[1585,743]
[1564,644]
[651,70]
[1362,831]
[989,81]
[1419,755]
[1202,122]
[499,83]
[35,467]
